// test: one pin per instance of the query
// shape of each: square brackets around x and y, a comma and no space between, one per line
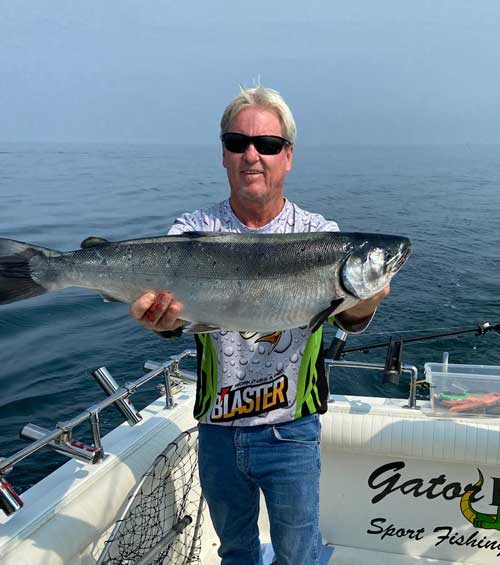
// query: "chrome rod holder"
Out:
[110,386]
[10,501]
[64,444]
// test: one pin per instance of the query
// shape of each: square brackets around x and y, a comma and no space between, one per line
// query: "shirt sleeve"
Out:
[185,223]
[328,225]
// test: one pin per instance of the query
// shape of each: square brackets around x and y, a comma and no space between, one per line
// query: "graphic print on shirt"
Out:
[272,338]
[233,402]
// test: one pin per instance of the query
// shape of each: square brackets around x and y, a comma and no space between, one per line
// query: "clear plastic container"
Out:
[464,390]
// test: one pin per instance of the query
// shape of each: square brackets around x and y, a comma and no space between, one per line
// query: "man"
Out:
[269,438]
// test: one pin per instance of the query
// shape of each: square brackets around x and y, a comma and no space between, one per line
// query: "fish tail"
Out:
[16,270]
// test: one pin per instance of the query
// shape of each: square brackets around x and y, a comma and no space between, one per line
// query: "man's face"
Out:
[255,178]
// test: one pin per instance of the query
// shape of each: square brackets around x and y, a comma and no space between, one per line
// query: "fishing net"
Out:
[161,523]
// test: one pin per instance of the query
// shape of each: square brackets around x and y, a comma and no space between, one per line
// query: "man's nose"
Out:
[251,154]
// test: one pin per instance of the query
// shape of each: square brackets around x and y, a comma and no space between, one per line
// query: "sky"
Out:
[162,71]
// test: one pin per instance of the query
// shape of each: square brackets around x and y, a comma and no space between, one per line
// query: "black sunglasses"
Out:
[264,144]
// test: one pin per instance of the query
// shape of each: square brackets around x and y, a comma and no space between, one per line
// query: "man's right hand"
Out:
[157,311]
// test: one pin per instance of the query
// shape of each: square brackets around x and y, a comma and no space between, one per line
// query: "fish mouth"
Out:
[399,259]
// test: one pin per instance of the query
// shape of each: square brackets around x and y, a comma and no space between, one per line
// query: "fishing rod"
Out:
[393,362]
[479,330]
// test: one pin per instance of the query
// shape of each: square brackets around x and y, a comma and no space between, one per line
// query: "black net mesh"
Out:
[165,504]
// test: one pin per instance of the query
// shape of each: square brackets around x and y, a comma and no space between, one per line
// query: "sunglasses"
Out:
[264,144]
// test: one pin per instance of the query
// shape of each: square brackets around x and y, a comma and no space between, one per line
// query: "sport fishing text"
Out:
[443,534]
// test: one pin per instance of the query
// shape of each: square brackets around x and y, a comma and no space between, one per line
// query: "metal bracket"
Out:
[169,397]
[96,434]
[393,361]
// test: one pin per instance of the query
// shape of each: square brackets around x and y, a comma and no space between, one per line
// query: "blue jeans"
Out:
[284,461]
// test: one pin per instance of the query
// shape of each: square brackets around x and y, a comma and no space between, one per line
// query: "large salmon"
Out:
[244,282]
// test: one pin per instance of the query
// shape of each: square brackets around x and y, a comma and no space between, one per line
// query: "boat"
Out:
[403,480]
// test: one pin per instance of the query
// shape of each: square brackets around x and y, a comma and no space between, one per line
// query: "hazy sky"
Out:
[362,71]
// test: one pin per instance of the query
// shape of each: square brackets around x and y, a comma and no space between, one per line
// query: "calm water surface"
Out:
[446,199]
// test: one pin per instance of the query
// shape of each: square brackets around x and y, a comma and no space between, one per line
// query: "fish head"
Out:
[371,265]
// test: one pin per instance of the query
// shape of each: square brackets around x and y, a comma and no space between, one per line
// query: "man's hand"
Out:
[363,311]
[157,311]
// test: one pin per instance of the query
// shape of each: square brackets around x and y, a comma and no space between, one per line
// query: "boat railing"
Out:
[60,438]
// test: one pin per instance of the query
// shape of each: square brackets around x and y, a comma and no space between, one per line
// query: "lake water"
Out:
[446,199]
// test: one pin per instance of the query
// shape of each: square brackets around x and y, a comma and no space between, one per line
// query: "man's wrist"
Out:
[353,324]
[168,334]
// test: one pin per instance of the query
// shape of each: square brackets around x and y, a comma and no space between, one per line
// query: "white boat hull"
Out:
[392,481]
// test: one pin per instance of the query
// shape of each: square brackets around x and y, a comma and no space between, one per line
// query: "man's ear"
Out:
[224,157]
[289,157]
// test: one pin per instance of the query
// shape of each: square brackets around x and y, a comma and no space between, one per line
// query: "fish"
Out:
[224,281]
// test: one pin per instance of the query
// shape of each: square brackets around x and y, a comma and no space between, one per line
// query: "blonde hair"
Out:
[261,97]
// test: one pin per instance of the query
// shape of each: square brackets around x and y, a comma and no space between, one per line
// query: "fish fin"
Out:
[201,234]
[107,297]
[200,328]
[92,241]
[174,238]
[318,320]
[16,281]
